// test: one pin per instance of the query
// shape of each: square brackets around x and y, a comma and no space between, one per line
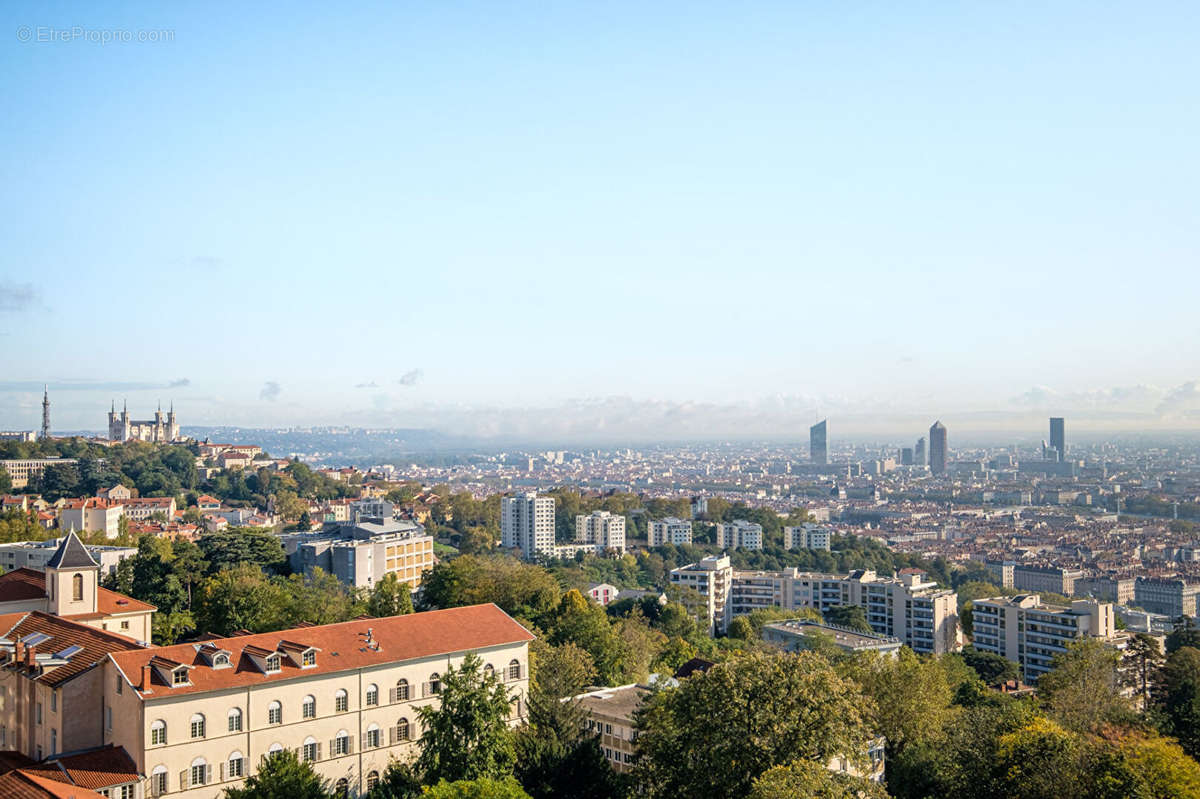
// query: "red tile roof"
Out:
[342,646]
[25,785]
[23,584]
[95,769]
[96,644]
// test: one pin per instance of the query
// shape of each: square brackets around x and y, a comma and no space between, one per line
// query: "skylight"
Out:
[73,649]
[33,639]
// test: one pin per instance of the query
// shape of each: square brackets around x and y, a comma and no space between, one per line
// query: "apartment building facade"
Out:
[1029,632]
[711,578]
[808,536]
[669,531]
[1119,590]
[363,552]
[527,524]
[1050,579]
[601,530]
[22,471]
[1169,597]
[739,534]
[199,718]
[92,514]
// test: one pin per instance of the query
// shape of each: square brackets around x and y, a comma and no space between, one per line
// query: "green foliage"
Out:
[1083,691]
[852,616]
[1186,633]
[18,526]
[390,597]
[719,730]
[991,668]
[5,481]
[909,696]
[466,735]
[243,545]
[244,597]
[1177,698]
[399,781]
[482,788]
[805,778]
[520,589]
[281,776]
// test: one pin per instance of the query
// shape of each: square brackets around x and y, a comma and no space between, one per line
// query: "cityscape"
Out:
[456,401]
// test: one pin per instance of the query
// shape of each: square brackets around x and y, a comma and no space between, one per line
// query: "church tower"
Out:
[72,579]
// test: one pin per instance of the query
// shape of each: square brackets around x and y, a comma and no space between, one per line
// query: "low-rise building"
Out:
[794,635]
[24,470]
[1119,590]
[1048,579]
[36,554]
[361,553]
[92,514]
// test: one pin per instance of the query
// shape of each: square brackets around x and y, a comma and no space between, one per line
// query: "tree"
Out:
[583,622]
[1141,659]
[1186,633]
[805,778]
[741,628]
[481,788]
[852,616]
[1177,698]
[910,697]
[5,481]
[716,732]
[399,781]
[466,736]
[1083,691]
[1041,760]
[242,598]
[991,668]
[240,545]
[390,597]
[520,589]
[281,776]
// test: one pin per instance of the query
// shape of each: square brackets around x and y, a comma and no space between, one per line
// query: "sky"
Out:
[476,215]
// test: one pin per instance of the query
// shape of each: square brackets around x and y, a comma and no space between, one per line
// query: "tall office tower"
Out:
[1058,437]
[527,523]
[818,444]
[906,456]
[937,448]
[919,452]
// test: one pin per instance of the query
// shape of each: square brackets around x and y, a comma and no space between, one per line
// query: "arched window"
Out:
[235,766]
[341,743]
[158,732]
[372,695]
[198,774]
[342,789]
[402,730]
[275,713]
[275,747]
[197,725]
[309,709]
[341,701]
[372,780]
[235,719]
[372,737]
[514,669]
[401,690]
[489,670]
[311,750]
[158,781]
[77,587]
[434,686]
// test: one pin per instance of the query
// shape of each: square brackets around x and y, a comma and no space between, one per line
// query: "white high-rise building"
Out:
[807,536]
[527,524]
[669,531]
[739,534]
[602,530]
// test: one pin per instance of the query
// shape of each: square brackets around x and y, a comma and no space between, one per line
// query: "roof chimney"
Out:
[146,677]
[30,655]
[18,651]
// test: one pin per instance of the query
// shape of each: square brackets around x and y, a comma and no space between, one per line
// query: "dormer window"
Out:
[309,658]
[179,676]
[221,660]
[272,663]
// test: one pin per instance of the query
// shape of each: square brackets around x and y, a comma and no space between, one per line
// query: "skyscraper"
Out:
[937,448]
[919,452]
[818,444]
[1058,437]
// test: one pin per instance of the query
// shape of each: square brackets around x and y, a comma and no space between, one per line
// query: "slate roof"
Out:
[71,554]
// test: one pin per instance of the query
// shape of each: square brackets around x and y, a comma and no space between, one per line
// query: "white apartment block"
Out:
[527,524]
[92,514]
[35,555]
[669,531]
[25,470]
[739,534]
[808,536]
[601,530]
[1028,632]
[907,606]
[711,578]
[198,718]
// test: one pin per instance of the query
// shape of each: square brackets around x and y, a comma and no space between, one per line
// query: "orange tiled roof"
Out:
[94,770]
[342,646]
[26,785]
[96,644]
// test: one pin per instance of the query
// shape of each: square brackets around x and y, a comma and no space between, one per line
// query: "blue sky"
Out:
[397,211]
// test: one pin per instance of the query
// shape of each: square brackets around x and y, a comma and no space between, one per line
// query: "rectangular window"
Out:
[54,701]
[158,735]
[310,659]
[309,752]
[341,703]
[341,745]
[236,767]
[39,712]
[275,715]
[179,677]
[198,728]
[158,783]
[198,775]
[235,722]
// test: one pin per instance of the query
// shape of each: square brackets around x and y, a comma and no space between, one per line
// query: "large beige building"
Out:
[22,471]
[198,718]
[1026,631]
[92,514]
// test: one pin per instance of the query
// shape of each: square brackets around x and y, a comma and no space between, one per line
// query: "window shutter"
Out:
[350,745]
[333,747]
[318,751]
[392,695]
[183,779]
[208,774]
[392,735]
[222,771]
